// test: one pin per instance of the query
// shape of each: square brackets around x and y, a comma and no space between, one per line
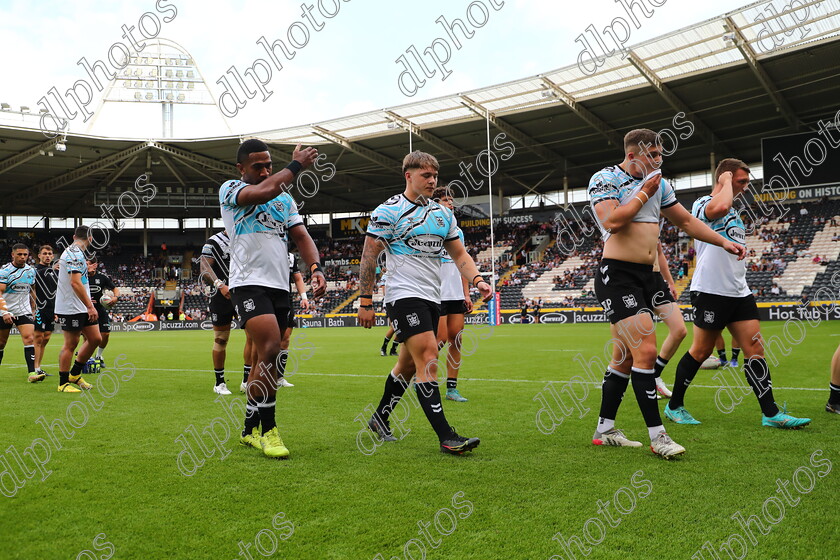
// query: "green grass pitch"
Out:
[115,489]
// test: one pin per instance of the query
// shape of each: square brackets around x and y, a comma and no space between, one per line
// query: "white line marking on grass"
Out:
[499,380]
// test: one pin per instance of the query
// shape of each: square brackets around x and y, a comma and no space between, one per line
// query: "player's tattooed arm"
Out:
[367,267]
[367,278]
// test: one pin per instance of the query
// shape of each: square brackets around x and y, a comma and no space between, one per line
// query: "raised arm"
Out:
[615,216]
[209,277]
[273,185]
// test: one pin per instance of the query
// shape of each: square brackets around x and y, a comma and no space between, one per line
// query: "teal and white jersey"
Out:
[259,247]
[72,261]
[413,235]
[19,283]
[613,183]
[451,287]
[717,271]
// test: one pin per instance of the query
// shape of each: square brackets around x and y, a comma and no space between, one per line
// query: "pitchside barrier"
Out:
[814,313]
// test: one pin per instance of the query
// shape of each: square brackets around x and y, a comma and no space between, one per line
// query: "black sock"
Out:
[1,355]
[77,368]
[246,374]
[686,370]
[281,365]
[612,391]
[385,344]
[266,413]
[451,383]
[757,373]
[722,354]
[252,416]
[29,355]
[735,353]
[394,346]
[63,377]
[220,375]
[394,390]
[429,397]
[834,395]
[644,385]
[659,365]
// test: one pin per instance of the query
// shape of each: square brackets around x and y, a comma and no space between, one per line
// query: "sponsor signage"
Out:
[349,227]
[506,220]
[813,315]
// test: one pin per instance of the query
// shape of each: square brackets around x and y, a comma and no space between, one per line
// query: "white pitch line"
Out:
[544,381]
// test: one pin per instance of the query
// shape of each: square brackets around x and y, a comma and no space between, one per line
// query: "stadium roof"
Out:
[739,77]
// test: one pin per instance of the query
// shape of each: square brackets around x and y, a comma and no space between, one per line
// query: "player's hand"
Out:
[468,303]
[673,289]
[93,315]
[485,290]
[318,283]
[304,304]
[305,156]
[225,291]
[734,249]
[366,317]
[9,319]
[652,185]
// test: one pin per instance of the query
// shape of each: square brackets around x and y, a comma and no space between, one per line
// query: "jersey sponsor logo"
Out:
[413,320]
[629,301]
[736,233]
[607,305]
[143,326]
[426,243]
[709,316]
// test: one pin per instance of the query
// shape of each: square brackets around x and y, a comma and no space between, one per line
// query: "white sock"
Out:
[605,424]
[99,352]
[653,431]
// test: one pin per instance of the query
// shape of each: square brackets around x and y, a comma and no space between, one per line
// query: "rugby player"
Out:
[259,214]
[628,199]
[296,278]
[17,288]
[722,299]
[99,282]
[413,230]
[46,279]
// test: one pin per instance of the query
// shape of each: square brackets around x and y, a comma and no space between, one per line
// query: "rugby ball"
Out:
[712,362]
[108,299]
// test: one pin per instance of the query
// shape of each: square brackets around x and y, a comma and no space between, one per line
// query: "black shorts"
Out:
[663,293]
[221,310]
[453,307]
[75,322]
[713,312]
[252,301]
[104,319]
[18,320]
[45,319]
[410,316]
[625,288]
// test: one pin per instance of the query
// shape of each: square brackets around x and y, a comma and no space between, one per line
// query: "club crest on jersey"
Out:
[265,219]
[629,301]
[439,221]
[413,320]
[249,305]
[709,316]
